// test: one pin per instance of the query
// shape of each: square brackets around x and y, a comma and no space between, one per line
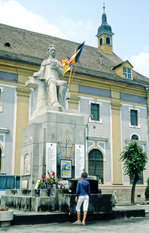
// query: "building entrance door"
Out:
[95,164]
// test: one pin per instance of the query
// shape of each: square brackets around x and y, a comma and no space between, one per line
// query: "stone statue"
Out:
[50,91]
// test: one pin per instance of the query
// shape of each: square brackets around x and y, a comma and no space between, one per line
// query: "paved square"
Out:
[131,225]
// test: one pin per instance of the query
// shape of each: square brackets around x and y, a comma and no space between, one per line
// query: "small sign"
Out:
[66,168]
[79,160]
[24,184]
[51,161]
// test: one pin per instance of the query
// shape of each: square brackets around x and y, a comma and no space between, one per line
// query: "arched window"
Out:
[134,137]
[107,40]
[100,41]
[95,164]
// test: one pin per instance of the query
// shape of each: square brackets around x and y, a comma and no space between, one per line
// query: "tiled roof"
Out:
[30,47]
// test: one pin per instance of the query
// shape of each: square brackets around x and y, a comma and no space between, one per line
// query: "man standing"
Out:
[82,196]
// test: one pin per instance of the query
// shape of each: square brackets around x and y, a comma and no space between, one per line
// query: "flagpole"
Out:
[69,78]
[74,73]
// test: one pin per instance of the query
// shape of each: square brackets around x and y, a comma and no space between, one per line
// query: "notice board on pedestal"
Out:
[51,158]
[79,160]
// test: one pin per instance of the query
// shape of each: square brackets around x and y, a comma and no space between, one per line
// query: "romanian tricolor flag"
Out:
[65,67]
[67,63]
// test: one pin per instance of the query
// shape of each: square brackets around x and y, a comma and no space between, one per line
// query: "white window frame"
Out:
[134,126]
[136,135]
[127,73]
[100,112]
[2,142]
[1,98]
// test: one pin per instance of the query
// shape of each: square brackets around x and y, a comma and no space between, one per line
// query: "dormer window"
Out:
[126,72]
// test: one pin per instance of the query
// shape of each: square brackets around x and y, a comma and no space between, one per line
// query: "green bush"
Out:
[147,190]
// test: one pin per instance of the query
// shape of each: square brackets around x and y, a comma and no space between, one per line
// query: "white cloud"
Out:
[78,30]
[141,63]
[12,13]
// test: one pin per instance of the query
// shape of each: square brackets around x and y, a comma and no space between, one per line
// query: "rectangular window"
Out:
[95,108]
[134,117]
[126,72]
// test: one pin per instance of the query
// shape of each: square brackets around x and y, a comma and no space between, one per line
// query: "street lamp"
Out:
[86,136]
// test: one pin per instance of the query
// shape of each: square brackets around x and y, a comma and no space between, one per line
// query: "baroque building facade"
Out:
[107,91]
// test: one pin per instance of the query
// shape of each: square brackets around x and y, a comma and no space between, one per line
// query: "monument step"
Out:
[21,218]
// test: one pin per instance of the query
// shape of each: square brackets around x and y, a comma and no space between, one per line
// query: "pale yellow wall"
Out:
[116,144]
[105,47]
[73,102]
[116,136]
[21,122]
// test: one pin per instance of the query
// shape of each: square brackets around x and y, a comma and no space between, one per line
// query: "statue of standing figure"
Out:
[50,91]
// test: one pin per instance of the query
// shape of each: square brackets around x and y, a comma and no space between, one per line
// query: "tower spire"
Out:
[104,17]
[104,34]
[104,8]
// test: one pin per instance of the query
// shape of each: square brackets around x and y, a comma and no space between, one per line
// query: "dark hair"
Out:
[84,175]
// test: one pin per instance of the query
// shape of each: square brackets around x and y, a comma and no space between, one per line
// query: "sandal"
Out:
[77,223]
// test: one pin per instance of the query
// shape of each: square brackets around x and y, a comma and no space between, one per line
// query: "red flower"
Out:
[53,174]
[43,177]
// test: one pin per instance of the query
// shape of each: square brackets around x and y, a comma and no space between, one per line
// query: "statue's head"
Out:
[51,51]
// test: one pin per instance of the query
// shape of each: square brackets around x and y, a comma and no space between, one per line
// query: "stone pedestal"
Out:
[98,203]
[26,200]
[53,134]
[6,218]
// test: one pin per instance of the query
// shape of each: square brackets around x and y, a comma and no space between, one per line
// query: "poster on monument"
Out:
[66,168]
[51,161]
[79,160]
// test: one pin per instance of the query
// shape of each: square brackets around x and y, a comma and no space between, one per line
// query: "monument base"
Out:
[58,200]
[98,203]
[49,139]
[27,200]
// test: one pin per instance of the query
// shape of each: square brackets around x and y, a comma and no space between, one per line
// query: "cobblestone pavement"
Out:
[127,225]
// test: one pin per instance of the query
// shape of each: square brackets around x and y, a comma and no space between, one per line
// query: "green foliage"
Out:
[147,190]
[41,183]
[134,159]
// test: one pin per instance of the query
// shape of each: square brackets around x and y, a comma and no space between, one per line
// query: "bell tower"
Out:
[104,35]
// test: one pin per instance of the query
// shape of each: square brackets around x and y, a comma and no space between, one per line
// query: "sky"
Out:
[78,21]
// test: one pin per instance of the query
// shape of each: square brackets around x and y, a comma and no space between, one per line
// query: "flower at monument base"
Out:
[43,177]
[53,174]
[46,181]
[51,179]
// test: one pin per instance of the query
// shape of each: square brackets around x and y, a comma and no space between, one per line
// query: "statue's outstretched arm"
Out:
[40,73]
[61,72]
